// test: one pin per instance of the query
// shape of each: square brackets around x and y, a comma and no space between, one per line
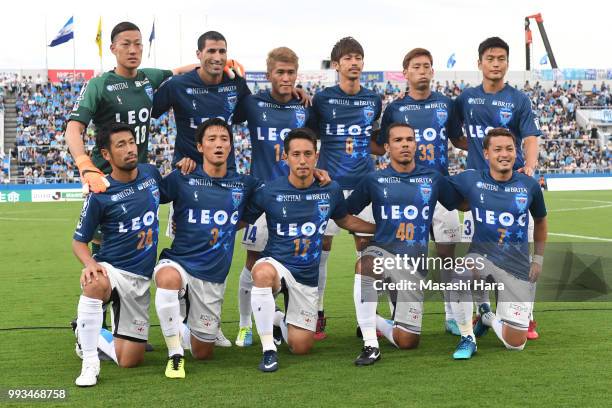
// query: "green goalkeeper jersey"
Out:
[113,98]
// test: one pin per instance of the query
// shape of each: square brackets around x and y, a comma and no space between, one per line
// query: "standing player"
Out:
[270,116]
[208,204]
[204,92]
[496,104]
[431,116]
[121,271]
[297,210]
[500,200]
[344,117]
[402,198]
[124,94]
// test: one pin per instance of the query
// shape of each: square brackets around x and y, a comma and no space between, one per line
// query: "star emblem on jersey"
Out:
[521,200]
[442,116]
[236,197]
[505,115]
[368,115]
[300,118]
[425,190]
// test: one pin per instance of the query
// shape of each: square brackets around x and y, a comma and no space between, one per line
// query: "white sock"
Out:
[462,308]
[322,278]
[169,313]
[364,296]
[185,334]
[89,323]
[244,297]
[262,302]
[386,329]
[448,310]
[106,343]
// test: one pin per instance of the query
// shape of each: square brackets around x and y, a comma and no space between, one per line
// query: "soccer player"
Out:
[496,104]
[202,93]
[431,116]
[120,272]
[270,116]
[500,200]
[403,197]
[297,210]
[208,204]
[124,94]
[344,117]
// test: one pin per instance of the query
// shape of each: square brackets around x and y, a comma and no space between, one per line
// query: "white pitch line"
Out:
[606,205]
[580,236]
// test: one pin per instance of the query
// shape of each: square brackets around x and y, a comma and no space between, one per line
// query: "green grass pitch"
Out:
[568,366]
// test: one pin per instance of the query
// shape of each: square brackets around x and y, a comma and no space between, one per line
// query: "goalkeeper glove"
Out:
[233,68]
[91,177]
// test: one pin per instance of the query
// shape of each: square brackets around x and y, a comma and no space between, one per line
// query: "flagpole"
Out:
[154,47]
[46,48]
[73,58]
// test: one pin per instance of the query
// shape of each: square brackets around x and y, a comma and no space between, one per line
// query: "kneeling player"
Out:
[297,211]
[208,204]
[403,198]
[121,271]
[500,200]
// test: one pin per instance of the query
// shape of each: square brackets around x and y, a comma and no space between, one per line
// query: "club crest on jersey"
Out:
[237,195]
[368,115]
[323,207]
[231,101]
[442,116]
[505,115]
[521,200]
[300,118]
[155,194]
[425,189]
[149,90]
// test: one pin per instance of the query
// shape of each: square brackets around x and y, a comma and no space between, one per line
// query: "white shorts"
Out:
[205,300]
[255,236]
[366,214]
[515,301]
[408,304]
[130,298]
[445,225]
[301,301]
[467,229]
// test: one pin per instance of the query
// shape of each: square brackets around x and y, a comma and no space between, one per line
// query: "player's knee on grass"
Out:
[405,340]
[264,275]
[168,278]
[129,353]
[514,339]
[327,242]
[252,257]
[202,350]
[365,266]
[300,340]
[98,289]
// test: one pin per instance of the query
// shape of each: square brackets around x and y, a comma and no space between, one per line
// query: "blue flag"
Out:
[451,61]
[544,60]
[151,38]
[65,34]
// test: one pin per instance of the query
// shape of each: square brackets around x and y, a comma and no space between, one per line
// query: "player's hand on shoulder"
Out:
[528,171]
[233,68]
[322,176]
[92,178]
[91,272]
[186,165]
[302,95]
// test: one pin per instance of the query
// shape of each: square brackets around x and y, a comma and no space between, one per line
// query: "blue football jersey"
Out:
[269,121]
[194,102]
[344,124]
[297,219]
[403,206]
[126,213]
[434,122]
[206,213]
[500,216]
[479,112]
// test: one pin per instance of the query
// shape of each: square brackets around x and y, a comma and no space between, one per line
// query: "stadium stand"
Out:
[36,113]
